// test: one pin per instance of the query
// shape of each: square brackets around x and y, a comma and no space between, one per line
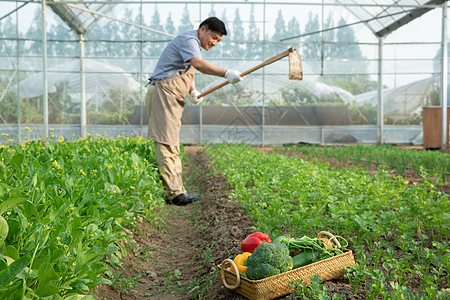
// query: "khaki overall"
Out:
[165,104]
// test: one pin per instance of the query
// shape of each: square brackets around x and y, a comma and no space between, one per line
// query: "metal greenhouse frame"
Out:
[381,18]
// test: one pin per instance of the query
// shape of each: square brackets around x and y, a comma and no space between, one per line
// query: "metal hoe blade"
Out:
[295,65]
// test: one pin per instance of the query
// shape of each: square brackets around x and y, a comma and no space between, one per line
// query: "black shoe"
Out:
[193,196]
[183,199]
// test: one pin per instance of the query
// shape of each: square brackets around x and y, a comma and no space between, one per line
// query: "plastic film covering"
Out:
[336,102]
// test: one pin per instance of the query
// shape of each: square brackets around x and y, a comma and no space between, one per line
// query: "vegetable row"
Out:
[64,207]
[398,230]
[434,162]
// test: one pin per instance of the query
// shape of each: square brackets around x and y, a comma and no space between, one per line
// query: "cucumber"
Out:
[306,257]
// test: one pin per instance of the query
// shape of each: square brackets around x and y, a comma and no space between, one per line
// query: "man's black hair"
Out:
[214,24]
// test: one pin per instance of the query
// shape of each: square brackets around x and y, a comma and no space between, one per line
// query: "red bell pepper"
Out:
[252,241]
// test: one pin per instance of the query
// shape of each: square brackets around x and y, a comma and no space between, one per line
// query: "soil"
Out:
[177,257]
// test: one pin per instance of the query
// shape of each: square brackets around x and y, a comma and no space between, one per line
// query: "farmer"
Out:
[171,81]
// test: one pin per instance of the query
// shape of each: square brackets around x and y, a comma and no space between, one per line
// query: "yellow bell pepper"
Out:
[239,261]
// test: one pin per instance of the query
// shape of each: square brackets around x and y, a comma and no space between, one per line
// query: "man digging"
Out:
[171,81]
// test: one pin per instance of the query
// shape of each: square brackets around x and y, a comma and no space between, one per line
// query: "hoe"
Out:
[295,68]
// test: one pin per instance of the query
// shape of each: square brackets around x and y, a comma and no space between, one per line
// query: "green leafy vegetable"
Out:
[267,260]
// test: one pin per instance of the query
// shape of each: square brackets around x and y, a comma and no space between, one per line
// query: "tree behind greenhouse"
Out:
[344,44]
[238,35]
[254,43]
[185,22]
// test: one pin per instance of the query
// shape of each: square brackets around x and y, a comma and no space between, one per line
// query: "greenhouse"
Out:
[211,149]
[370,70]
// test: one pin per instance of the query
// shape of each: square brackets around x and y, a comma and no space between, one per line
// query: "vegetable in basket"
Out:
[267,260]
[298,245]
[239,262]
[254,240]
[307,257]
[326,241]
[280,238]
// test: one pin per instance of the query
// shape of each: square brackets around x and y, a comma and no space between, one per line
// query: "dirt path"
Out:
[157,258]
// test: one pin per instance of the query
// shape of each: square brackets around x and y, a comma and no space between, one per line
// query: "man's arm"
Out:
[206,67]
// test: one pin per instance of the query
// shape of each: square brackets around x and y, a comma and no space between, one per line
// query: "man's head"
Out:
[210,32]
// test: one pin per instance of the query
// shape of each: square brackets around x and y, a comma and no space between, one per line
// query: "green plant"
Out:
[356,275]
[124,284]
[66,210]
[315,289]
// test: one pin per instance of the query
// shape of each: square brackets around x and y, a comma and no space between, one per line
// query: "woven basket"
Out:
[278,285]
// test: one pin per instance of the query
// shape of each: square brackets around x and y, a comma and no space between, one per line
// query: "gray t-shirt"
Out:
[175,58]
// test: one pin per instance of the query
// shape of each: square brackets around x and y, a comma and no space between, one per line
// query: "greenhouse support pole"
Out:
[380,115]
[45,83]
[263,137]
[83,89]
[444,75]
[19,129]
[200,109]
[141,75]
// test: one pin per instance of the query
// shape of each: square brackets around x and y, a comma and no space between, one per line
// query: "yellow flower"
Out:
[5,134]
[82,172]
[56,165]
[27,129]
[132,187]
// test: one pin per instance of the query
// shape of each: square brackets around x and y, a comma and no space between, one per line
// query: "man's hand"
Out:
[194,97]
[233,76]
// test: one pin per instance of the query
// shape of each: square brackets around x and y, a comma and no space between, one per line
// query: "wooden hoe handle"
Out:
[263,64]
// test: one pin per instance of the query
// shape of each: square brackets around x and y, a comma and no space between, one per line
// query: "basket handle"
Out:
[332,237]
[222,274]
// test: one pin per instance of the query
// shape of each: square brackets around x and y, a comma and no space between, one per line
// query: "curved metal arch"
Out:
[401,12]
